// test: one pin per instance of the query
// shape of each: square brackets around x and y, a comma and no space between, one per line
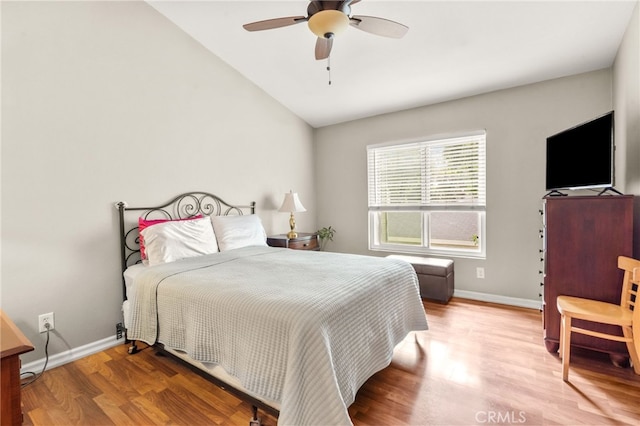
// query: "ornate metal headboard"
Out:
[183,206]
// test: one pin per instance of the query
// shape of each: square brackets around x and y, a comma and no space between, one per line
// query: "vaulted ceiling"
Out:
[453,49]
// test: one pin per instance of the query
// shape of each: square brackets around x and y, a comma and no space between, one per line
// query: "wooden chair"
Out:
[623,315]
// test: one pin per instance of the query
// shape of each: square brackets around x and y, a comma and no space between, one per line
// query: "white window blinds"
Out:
[443,173]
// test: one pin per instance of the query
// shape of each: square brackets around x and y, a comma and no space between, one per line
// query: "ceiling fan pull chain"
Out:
[329,68]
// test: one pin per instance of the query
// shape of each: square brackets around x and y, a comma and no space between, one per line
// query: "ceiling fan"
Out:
[326,19]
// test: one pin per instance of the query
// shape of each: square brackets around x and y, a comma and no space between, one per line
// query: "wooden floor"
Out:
[478,364]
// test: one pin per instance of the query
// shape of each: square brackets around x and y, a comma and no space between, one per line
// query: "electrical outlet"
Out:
[45,319]
[480,272]
[119,330]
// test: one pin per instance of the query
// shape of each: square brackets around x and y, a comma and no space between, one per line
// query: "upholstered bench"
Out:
[434,275]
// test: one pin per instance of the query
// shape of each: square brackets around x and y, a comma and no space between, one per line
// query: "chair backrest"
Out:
[630,288]
[631,268]
[635,282]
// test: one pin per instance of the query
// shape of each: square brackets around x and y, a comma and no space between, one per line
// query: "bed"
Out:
[296,331]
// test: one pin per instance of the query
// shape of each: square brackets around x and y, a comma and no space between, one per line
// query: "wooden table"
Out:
[12,344]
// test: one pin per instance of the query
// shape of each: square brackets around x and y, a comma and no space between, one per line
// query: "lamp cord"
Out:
[24,382]
[329,68]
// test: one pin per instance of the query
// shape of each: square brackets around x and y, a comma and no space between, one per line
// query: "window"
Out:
[428,197]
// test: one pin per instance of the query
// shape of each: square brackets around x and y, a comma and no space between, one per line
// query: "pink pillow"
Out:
[145,223]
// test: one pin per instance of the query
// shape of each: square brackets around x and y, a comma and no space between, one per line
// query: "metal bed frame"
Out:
[183,206]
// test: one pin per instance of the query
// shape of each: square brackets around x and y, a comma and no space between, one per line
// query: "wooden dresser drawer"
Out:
[304,244]
[304,241]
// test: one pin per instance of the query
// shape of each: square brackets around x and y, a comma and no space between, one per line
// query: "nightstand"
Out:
[304,241]
[14,343]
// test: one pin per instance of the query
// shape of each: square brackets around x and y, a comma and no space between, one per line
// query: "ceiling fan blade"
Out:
[274,23]
[323,47]
[379,26]
[348,3]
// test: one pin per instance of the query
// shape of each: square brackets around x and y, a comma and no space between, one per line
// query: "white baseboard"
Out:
[71,355]
[109,342]
[494,298]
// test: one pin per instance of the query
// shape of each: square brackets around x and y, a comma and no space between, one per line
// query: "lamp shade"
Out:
[328,22]
[292,203]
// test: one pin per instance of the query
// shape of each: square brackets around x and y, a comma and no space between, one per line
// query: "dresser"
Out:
[12,345]
[304,241]
[583,237]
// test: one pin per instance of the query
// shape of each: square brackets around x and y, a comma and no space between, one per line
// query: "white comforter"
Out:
[306,329]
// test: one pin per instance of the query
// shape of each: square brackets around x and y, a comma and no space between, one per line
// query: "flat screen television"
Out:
[581,157]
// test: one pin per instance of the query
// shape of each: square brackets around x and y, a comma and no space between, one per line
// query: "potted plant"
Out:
[325,235]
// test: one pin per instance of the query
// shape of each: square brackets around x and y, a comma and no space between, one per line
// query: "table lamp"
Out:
[292,205]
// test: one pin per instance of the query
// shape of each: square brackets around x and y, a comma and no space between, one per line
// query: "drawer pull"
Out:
[305,245]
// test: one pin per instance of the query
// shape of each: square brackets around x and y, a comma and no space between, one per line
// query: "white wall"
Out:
[626,94]
[517,122]
[109,101]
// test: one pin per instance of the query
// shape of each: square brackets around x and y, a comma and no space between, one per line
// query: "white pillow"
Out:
[238,231]
[169,241]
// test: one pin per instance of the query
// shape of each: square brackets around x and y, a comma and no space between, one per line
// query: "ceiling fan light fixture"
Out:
[326,22]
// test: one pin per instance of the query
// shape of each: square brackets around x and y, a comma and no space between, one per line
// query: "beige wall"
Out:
[626,95]
[109,101]
[517,122]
